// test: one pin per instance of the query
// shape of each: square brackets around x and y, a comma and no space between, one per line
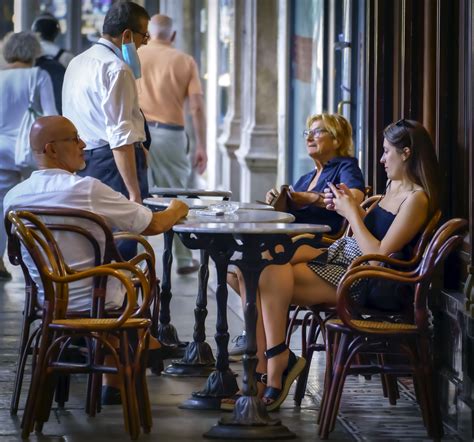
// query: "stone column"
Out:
[229,140]
[284,54]
[259,146]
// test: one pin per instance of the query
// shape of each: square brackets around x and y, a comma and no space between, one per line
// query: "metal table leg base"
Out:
[198,361]
[168,336]
[219,385]
[250,421]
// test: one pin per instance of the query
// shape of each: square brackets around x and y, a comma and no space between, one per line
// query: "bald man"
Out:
[169,78]
[59,152]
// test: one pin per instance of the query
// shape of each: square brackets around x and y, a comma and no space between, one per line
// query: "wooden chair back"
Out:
[443,242]
[54,273]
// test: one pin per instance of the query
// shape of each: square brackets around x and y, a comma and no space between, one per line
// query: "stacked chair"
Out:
[356,333]
[58,328]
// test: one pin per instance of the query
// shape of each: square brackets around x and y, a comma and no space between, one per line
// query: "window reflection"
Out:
[226,18]
[306,77]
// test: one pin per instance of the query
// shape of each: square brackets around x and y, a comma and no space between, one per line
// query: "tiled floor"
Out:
[364,415]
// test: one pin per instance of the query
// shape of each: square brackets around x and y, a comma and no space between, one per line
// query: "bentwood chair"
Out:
[93,230]
[353,334]
[316,316]
[58,328]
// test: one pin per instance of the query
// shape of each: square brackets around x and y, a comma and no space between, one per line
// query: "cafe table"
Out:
[165,331]
[250,419]
[197,358]
[189,193]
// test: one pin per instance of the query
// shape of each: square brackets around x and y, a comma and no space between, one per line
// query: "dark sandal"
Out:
[230,405]
[293,370]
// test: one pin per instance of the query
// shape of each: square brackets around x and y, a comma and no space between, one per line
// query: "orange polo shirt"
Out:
[168,77]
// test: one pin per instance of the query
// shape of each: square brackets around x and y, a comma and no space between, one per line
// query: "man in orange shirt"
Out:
[169,79]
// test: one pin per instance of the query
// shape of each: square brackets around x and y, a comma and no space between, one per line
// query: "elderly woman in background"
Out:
[20,51]
[329,144]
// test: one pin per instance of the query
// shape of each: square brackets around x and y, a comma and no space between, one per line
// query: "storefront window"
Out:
[306,78]
[226,17]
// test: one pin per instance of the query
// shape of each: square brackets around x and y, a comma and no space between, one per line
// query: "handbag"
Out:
[282,202]
[23,154]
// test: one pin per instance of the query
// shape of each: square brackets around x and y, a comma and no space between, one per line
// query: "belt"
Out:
[157,124]
[137,145]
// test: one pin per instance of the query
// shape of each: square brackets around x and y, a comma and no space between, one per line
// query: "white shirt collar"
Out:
[110,45]
[54,171]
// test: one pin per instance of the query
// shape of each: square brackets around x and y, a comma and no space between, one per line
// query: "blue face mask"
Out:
[130,56]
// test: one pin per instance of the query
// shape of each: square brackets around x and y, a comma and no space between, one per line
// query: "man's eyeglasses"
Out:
[314,133]
[145,36]
[76,139]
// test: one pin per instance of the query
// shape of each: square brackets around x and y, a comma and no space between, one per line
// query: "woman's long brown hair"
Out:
[422,167]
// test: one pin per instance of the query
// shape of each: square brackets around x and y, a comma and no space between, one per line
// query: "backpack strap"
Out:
[58,55]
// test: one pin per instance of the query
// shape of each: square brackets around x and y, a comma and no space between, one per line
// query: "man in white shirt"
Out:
[100,96]
[59,152]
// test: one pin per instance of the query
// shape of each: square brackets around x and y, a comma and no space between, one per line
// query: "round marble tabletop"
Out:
[251,227]
[179,191]
[241,216]
[197,203]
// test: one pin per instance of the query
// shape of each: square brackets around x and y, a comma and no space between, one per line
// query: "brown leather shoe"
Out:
[186,270]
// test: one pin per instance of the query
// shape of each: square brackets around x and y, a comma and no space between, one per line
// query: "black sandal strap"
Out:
[276,350]
[261,377]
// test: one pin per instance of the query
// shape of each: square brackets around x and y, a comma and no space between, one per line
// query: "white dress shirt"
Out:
[100,97]
[59,188]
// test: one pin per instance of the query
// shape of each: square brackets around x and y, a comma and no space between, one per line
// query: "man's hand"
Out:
[181,208]
[136,198]
[200,160]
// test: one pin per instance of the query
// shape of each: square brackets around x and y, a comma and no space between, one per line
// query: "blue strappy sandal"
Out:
[293,370]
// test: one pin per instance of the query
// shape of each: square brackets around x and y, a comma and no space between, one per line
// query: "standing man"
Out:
[100,97]
[169,79]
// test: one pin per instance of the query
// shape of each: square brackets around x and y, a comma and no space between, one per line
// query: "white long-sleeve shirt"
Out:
[100,98]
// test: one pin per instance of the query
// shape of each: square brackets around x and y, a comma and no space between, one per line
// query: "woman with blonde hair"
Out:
[329,144]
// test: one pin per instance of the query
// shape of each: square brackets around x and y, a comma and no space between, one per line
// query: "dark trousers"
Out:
[100,164]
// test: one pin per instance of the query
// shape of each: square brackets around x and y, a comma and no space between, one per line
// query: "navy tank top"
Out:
[379,220]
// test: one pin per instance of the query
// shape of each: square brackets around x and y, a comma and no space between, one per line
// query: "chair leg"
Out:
[24,351]
[389,383]
[93,402]
[331,346]
[62,390]
[337,384]
[429,388]
[303,377]
[37,380]
[144,407]
[128,392]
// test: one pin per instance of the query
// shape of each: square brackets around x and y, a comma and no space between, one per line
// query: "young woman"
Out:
[313,275]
